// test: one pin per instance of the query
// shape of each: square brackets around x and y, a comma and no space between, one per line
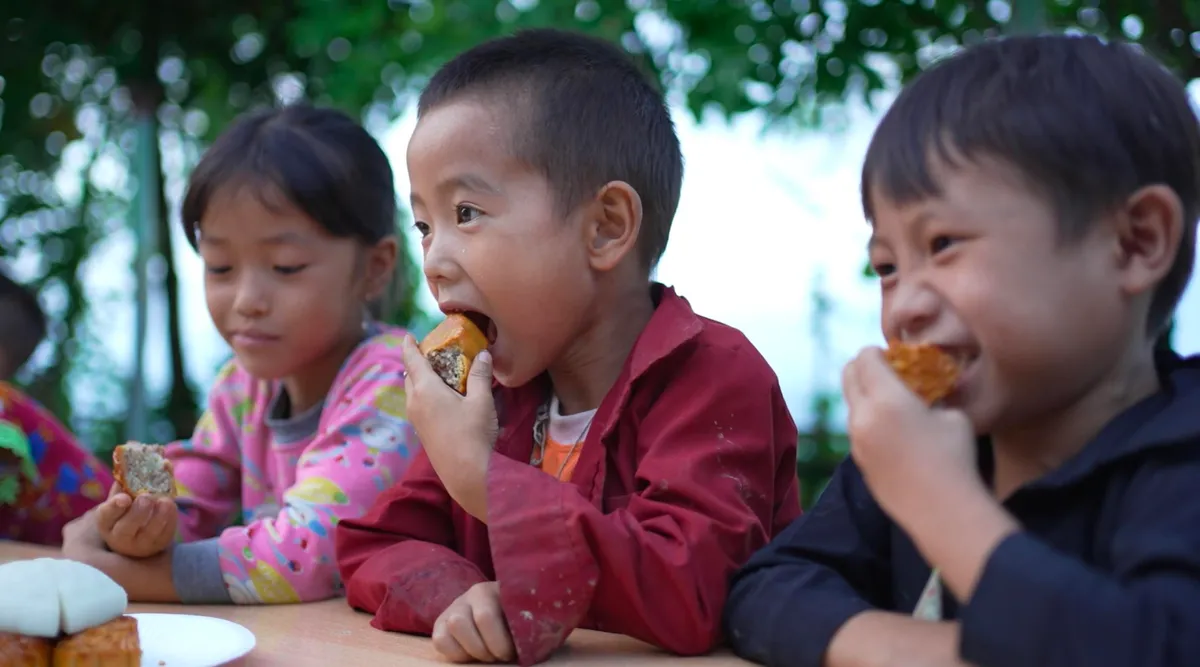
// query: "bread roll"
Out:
[22,651]
[113,644]
[928,371]
[87,597]
[143,469]
[29,604]
[46,597]
[451,348]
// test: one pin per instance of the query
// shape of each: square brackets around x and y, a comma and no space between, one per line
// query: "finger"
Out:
[461,625]
[123,500]
[854,389]
[489,620]
[155,531]
[408,351]
[446,644]
[852,392]
[109,512]
[416,367]
[123,533]
[167,505]
[142,509]
[127,527]
[875,372]
[116,490]
[479,380]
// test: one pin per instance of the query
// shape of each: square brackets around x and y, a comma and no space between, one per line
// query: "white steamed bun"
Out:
[45,597]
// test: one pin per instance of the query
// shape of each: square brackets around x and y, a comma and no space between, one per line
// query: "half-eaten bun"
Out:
[928,371]
[143,469]
[451,348]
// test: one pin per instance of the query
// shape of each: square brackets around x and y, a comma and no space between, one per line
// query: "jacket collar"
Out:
[672,326]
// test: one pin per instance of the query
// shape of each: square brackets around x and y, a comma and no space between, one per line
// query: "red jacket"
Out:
[689,467]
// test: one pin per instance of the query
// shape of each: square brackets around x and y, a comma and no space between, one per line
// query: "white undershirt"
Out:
[567,429]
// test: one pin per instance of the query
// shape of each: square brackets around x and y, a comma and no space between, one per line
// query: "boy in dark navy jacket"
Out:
[1033,203]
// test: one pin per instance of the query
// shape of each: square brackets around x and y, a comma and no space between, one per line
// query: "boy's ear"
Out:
[379,264]
[1149,231]
[614,224]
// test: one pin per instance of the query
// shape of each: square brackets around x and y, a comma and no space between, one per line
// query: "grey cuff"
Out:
[196,573]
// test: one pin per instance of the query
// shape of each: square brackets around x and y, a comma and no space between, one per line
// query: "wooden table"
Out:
[330,633]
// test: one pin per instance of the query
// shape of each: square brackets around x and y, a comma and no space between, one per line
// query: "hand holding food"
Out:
[139,518]
[458,432]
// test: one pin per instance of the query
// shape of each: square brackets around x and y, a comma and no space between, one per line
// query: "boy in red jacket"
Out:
[46,477]
[631,454]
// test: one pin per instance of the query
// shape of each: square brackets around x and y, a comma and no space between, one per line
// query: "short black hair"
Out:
[319,159]
[22,324]
[589,116]
[1085,122]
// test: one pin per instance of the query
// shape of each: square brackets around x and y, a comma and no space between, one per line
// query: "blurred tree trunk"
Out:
[154,243]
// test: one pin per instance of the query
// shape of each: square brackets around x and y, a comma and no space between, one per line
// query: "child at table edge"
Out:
[1034,204]
[293,211]
[545,173]
[47,478]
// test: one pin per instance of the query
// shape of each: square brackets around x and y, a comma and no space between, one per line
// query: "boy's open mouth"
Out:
[485,324]
[962,356]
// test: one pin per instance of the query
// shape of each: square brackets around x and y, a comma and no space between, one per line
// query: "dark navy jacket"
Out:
[1105,573]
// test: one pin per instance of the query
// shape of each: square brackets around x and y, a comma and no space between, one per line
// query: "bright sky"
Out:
[762,221]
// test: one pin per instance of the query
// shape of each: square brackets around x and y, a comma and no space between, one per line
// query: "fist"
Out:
[473,629]
[137,527]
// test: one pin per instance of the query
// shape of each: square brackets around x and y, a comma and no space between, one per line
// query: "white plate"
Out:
[183,640]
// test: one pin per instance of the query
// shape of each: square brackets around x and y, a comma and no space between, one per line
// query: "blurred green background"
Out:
[137,88]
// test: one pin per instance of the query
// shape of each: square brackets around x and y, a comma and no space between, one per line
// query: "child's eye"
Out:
[466,213]
[422,227]
[290,270]
[216,270]
[940,243]
[883,269]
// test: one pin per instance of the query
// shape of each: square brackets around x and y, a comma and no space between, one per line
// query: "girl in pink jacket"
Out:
[294,213]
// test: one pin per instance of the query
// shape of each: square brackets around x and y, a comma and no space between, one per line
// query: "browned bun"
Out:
[928,371]
[451,348]
[21,651]
[113,644]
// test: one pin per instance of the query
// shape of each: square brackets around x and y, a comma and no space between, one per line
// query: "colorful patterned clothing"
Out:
[46,477]
[260,490]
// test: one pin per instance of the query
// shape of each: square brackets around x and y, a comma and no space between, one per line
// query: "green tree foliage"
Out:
[78,80]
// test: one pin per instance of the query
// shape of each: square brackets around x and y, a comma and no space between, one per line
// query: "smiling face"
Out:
[982,272]
[284,293]
[494,241]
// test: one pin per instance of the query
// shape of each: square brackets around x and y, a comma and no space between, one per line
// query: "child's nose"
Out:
[442,260]
[910,309]
[251,298]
